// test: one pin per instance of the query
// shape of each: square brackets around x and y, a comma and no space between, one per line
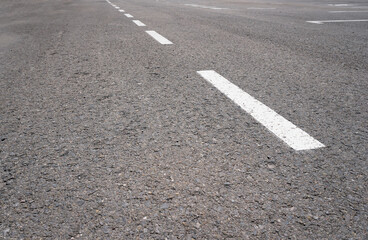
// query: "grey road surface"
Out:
[105,133]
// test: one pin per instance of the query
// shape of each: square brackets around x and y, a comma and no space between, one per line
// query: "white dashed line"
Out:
[139,23]
[337,21]
[347,11]
[117,7]
[254,8]
[121,10]
[340,5]
[202,6]
[281,127]
[159,38]
[128,15]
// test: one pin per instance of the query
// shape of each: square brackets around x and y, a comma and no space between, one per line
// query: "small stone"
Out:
[164,206]
[6,231]
[124,204]
[271,166]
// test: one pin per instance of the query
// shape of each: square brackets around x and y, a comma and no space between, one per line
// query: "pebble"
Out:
[164,206]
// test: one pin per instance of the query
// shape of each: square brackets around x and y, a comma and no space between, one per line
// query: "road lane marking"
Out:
[347,11]
[128,15]
[254,8]
[281,127]
[121,10]
[139,23]
[117,7]
[202,6]
[159,38]
[338,21]
[341,5]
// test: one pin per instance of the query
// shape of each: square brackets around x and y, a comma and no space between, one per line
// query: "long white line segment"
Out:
[338,21]
[159,38]
[348,11]
[255,8]
[139,23]
[202,6]
[281,127]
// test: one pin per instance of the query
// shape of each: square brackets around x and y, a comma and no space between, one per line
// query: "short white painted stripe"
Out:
[341,5]
[202,6]
[254,8]
[159,38]
[347,11]
[139,23]
[282,128]
[338,21]
[121,10]
[117,7]
[128,15]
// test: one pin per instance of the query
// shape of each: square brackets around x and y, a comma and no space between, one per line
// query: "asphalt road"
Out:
[105,133]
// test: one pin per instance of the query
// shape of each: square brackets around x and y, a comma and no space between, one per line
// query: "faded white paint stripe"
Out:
[139,23]
[202,6]
[338,21]
[348,11]
[128,15]
[341,5]
[159,38]
[282,128]
[121,10]
[254,8]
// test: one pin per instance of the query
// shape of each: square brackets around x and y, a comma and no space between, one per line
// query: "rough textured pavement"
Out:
[107,134]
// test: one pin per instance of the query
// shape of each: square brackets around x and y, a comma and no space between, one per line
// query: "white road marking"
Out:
[347,5]
[340,5]
[254,8]
[202,6]
[281,127]
[121,10]
[139,23]
[347,11]
[159,38]
[128,15]
[338,21]
[117,7]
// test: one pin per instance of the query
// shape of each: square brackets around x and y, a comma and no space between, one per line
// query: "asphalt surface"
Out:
[107,134]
